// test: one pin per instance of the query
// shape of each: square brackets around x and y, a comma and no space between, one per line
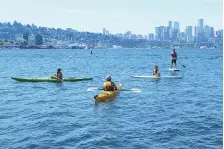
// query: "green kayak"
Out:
[50,79]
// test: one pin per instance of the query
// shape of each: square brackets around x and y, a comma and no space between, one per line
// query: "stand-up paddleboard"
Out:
[156,77]
[172,77]
[150,77]
[174,69]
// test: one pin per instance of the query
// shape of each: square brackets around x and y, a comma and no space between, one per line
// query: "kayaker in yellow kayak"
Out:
[58,75]
[109,85]
[156,71]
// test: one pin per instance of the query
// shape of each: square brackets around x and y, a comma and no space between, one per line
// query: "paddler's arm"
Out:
[115,87]
[103,87]
[153,73]
[54,76]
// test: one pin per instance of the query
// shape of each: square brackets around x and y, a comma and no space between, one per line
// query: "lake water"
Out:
[168,114]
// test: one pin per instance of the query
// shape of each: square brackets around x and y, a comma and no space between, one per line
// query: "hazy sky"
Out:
[138,16]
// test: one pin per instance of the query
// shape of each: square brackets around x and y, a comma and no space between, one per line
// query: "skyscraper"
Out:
[212,32]
[195,31]
[188,33]
[200,25]
[176,25]
[170,24]
[157,33]
[208,31]
[219,33]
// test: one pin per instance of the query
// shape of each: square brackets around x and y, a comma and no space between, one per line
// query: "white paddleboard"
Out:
[151,77]
[172,77]
[155,77]
[174,69]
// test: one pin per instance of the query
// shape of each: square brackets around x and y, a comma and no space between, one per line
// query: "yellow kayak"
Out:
[106,96]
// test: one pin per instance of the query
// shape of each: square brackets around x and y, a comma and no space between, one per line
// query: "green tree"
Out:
[38,39]
[26,36]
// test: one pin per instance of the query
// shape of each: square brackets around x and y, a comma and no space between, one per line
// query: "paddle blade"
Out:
[92,89]
[137,90]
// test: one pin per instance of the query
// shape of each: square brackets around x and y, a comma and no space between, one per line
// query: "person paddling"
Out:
[174,58]
[58,75]
[109,85]
[156,71]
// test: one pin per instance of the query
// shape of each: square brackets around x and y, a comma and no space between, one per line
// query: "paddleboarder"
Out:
[174,58]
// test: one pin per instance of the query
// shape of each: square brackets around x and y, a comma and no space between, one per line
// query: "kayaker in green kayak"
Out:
[156,71]
[109,85]
[58,75]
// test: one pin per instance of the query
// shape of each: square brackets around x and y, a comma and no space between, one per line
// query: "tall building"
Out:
[166,32]
[195,31]
[170,33]
[208,31]
[219,33]
[157,33]
[170,24]
[176,25]
[104,31]
[160,33]
[188,33]
[212,32]
[200,25]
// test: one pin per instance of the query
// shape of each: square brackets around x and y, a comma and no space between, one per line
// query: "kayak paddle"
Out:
[137,90]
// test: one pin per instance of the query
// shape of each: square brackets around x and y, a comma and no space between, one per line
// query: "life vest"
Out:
[108,86]
[155,71]
[174,54]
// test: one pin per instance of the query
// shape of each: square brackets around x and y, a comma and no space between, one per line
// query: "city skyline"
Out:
[117,17]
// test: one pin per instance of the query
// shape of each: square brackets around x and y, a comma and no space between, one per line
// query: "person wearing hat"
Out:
[109,85]
[58,75]
[156,71]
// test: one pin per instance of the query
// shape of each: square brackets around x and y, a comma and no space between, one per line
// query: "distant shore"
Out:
[51,47]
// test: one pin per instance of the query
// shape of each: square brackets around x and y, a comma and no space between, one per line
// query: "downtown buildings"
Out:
[200,35]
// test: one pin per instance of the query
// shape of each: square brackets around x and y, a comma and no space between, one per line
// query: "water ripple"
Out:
[168,113]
